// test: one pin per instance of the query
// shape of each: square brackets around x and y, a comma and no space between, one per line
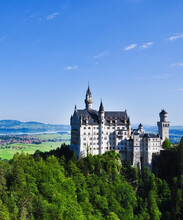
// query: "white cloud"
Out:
[52,16]
[146,45]
[130,47]
[71,67]
[101,54]
[175,37]
[176,64]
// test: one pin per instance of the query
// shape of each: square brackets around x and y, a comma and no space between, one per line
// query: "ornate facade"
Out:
[95,132]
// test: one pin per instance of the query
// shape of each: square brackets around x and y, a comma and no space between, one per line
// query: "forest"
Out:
[56,185]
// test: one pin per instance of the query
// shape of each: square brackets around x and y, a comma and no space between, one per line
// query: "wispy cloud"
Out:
[101,54]
[2,38]
[71,67]
[175,37]
[35,14]
[158,77]
[177,64]
[161,76]
[130,47]
[52,16]
[146,45]
[180,89]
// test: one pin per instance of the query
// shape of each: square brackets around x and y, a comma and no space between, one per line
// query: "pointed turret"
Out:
[101,126]
[140,128]
[101,108]
[88,100]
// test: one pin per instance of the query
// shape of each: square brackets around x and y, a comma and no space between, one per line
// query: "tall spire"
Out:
[88,100]
[101,108]
[88,92]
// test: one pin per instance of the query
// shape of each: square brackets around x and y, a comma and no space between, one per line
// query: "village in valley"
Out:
[29,143]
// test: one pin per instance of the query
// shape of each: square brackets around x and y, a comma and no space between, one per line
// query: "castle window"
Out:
[84,127]
[88,133]
[88,127]
[108,127]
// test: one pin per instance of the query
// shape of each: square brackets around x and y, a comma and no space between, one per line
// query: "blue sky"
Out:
[131,52]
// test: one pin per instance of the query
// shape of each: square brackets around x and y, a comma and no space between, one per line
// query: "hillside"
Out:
[14,126]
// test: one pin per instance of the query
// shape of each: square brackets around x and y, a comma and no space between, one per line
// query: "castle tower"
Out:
[88,100]
[163,125]
[101,127]
[140,128]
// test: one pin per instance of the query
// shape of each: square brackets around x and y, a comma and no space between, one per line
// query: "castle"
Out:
[95,132]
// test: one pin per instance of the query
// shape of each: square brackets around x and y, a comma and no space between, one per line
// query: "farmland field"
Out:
[52,136]
[7,152]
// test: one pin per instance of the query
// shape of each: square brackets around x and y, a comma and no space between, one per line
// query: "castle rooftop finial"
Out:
[88,100]
[101,108]
[88,92]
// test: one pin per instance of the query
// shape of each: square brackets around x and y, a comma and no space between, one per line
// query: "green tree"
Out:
[112,216]
[4,214]
[166,144]
[154,211]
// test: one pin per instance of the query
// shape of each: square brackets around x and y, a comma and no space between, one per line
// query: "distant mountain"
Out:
[14,127]
[176,132]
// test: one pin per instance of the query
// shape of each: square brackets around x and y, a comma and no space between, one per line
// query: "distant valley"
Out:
[176,132]
[32,127]
[18,127]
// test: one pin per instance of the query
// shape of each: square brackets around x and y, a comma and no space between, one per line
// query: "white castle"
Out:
[95,132]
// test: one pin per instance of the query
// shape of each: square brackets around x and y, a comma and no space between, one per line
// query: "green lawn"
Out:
[8,153]
[52,136]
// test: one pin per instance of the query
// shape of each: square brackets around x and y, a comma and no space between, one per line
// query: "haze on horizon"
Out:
[129,50]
